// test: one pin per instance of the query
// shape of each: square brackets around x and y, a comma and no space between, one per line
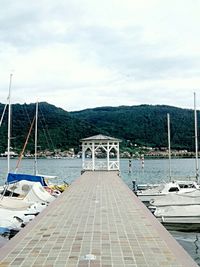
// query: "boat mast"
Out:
[2,116]
[169,144]
[36,128]
[196,140]
[9,122]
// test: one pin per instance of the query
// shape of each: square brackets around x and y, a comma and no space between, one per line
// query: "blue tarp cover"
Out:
[16,177]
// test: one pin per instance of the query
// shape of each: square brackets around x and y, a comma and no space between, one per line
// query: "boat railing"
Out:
[6,188]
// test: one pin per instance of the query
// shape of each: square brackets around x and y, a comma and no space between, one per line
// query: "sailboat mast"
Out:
[36,128]
[169,144]
[196,140]
[9,122]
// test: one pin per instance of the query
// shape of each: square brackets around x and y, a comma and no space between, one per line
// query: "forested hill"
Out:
[59,129]
[144,124]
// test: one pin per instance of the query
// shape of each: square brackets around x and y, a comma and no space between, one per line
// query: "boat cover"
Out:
[15,177]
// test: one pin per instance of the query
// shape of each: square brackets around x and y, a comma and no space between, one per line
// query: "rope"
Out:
[21,154]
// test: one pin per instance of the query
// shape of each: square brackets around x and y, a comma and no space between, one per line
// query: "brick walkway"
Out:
[97,222]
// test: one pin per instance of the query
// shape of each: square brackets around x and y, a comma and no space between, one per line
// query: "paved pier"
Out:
[97,222]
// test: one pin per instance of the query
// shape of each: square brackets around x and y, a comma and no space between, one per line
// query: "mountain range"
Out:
[144,125]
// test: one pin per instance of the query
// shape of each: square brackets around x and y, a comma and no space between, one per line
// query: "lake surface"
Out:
[154,171]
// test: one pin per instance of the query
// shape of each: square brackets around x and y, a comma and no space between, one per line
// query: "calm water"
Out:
[154,171]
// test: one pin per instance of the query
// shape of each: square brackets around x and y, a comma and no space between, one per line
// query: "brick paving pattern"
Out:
[97,222]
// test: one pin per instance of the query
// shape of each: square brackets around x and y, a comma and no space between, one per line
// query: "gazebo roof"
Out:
[100,137]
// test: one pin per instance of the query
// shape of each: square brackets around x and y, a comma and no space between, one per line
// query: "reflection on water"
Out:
[154,171]
[190,242]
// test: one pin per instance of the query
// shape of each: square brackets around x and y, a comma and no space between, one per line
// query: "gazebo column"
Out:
[83,156]
[108,156]
[93,157]
[118,155]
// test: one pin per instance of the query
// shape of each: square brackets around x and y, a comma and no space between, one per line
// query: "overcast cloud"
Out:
[78,54]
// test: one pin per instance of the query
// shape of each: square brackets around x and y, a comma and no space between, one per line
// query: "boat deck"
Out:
[97,222]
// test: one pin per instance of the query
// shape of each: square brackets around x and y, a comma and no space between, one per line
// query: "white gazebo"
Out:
[100,152]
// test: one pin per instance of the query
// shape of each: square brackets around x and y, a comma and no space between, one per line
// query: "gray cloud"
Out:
[26,24]
[98,49]
[131,56]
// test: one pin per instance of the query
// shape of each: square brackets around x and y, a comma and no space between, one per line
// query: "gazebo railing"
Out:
[101,165]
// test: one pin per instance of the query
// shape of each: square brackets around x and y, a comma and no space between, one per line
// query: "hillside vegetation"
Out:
[144,124]
[59,129]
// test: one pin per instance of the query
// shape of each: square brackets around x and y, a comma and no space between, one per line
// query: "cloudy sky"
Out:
[79,54]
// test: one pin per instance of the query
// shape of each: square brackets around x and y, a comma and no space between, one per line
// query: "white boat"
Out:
[12,218]
[172,187]
[14,203]
[180,217]
[164,189]
[181,210]
[16,212]
[38,194]
[29,192]
[141,187]
[32,198]
[21,184]
[178,199]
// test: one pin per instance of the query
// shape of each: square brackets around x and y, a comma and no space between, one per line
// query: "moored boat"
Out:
[178,217]
[164,189]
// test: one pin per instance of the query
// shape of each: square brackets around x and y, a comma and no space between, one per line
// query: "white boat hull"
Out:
[182,218]
[168,190]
